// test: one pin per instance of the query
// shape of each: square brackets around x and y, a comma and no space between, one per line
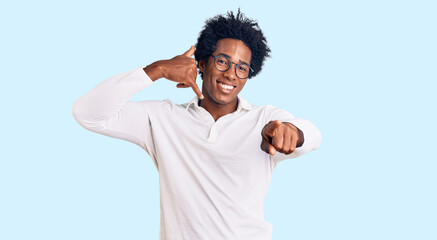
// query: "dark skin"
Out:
[219,101]
[220,90]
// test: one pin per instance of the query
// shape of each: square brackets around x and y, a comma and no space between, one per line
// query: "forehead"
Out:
[236,49]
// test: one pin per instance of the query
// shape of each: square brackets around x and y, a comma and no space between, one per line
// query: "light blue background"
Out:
[364,72]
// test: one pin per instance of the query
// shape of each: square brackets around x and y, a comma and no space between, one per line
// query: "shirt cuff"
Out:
[312,136]
[142,75]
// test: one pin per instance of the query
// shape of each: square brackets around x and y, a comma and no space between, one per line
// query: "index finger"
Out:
[271,126]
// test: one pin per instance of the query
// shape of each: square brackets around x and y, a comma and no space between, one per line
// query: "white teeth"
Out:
[228,87]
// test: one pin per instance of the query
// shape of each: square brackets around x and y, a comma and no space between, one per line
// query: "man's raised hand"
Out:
[181,69]
[280,137]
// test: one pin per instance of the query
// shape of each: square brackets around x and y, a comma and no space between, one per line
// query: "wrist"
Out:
[155,70]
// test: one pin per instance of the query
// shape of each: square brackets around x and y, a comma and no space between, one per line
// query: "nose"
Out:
[230,73]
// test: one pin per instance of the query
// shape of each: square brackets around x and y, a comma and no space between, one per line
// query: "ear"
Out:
[202,66]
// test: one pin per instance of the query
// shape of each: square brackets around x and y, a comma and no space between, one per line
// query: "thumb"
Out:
[190,51]
[267,147]
[272,150]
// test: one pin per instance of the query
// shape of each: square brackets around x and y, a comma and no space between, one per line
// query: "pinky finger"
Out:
[197,90]
[293,145]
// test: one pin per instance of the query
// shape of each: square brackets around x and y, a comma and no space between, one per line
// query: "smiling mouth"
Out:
[225,87]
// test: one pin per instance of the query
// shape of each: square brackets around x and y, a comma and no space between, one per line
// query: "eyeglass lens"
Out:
[223,64]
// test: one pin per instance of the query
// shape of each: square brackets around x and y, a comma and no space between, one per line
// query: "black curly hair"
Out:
[237,27]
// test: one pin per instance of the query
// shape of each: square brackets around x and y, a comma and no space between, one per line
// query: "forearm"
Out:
[94,109]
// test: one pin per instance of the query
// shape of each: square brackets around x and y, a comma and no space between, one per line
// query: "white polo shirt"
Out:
[213,175]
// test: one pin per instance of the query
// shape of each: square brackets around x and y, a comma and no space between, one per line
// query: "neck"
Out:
[218,110]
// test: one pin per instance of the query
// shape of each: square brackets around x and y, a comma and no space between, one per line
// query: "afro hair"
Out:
[236,27]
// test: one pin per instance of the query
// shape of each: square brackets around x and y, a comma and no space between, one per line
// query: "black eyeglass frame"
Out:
[230,65]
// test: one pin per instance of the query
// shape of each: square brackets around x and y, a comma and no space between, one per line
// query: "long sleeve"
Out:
[312,136]
[106,109]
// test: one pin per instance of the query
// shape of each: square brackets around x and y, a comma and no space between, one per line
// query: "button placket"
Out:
[205,114]
[213,133]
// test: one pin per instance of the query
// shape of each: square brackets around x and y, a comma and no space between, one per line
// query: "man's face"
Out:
[223,87]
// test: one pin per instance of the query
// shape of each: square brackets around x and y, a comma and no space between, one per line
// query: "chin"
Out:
[224,100]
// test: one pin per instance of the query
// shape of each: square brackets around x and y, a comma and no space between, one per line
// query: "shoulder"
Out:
[263,113]
[266,109]
[271,113]
[249,106]
[161,105]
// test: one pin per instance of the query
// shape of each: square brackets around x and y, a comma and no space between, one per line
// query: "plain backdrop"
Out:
[364,72]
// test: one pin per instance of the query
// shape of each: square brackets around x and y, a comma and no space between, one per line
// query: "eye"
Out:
[221,61]
[242,68]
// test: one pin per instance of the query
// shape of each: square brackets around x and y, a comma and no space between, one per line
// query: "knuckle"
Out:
[278,146]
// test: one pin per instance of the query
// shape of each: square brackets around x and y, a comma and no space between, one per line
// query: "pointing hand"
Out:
[279,137]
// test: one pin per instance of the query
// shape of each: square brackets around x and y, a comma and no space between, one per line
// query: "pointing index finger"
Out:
[270,129]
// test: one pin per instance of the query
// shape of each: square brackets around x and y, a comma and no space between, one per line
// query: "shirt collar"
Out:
[242,104]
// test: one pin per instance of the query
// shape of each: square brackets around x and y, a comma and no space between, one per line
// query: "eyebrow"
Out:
[229,57]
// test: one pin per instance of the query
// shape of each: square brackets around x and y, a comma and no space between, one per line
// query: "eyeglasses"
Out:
[223,63]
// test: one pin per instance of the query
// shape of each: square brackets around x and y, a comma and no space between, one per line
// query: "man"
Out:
[215,154]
